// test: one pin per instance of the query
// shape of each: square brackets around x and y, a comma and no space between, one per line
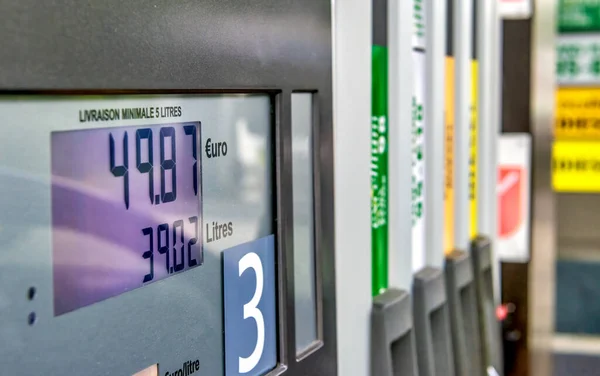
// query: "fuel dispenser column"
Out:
[430,305]
[459,272]
[483,202]
[393,344]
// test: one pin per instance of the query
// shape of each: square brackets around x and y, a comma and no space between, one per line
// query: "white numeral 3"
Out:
[252,261]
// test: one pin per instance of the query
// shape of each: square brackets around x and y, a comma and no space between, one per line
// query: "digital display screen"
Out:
[121,211]
[126,209]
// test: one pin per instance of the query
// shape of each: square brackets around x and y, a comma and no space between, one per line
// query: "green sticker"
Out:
[578,15]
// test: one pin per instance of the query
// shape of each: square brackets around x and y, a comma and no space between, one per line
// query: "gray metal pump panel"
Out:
[146,187]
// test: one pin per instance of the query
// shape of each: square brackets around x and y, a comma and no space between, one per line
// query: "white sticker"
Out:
[418,162]
[514,9]
[514,197]
[578,59]
[418,138]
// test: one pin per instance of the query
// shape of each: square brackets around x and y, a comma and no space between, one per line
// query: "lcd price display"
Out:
[126,209]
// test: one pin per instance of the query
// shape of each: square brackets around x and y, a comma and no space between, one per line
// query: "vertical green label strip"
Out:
[379,169]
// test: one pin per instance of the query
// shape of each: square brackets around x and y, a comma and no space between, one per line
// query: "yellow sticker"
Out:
[449,156]
[473,154]
[577,113]
[449,159]
[576,166]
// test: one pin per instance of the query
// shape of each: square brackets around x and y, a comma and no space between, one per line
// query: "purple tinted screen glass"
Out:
[126,209]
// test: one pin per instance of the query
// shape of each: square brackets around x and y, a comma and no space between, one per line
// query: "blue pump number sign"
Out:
[250,308]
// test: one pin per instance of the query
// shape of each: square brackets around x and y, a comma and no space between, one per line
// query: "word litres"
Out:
[219,230]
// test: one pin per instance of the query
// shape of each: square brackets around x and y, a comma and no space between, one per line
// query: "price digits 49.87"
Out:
[148,167]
